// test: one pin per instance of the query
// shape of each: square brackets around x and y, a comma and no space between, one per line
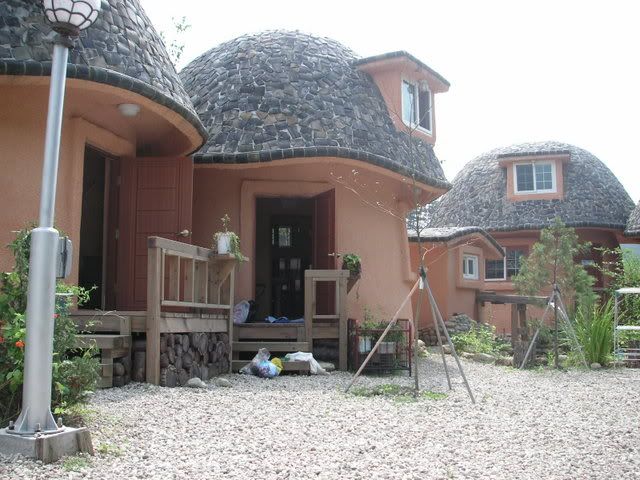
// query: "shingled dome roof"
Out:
[121,49]
[593,196]
[280,94]
[633,225]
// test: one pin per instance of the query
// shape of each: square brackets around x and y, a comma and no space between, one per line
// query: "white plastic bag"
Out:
[241,312]
[314,366]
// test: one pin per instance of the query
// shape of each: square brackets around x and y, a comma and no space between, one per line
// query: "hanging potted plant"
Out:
[351,262]
[227,242]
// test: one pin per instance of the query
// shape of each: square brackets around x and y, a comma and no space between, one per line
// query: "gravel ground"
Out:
[525,425]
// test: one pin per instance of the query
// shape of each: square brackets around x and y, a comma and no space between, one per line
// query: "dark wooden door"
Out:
[156,200]
[324,249]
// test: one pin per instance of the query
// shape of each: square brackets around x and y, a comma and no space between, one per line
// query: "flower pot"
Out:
[387,348]
[364,344]
[224,243]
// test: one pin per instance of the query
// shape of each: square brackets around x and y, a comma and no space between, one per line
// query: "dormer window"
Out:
[416,105]
[535,177]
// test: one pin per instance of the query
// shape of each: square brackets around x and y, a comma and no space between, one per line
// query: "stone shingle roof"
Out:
[446,234]
[282,94]
[633,224]
[121,49]
[593,196]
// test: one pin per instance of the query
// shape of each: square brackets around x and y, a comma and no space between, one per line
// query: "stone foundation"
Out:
[456,324]
[188,355]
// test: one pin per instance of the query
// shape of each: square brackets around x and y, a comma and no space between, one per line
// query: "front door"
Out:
[156,199]
[324,246]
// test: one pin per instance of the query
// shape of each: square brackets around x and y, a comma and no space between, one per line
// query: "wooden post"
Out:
[342,327]
[515,332]
[309,308]
[232,286]
[154,284]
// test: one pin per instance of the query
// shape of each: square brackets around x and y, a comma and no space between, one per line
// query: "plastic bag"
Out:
[260,366]
[241,312]
[314,366]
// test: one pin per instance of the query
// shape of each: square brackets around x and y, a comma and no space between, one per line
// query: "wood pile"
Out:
[188,355]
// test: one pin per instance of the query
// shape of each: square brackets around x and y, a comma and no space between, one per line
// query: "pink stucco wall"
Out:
[369,220]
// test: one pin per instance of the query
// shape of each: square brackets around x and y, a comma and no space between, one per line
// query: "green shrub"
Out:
[480,339]
[593,324]
[74,372]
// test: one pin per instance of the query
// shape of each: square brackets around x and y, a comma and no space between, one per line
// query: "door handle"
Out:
[184,233]
[334,254]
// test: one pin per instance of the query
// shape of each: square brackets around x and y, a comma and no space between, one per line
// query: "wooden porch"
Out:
[190,299]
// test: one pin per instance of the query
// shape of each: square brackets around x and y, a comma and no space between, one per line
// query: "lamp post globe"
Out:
[69,17]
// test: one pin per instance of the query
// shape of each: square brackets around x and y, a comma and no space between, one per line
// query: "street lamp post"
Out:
[68,18]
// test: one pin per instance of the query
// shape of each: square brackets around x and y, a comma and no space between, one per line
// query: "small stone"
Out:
[196,383]
[447,349]
[483,358]
[328,366]
[595,366]
[504,361]
[223,382]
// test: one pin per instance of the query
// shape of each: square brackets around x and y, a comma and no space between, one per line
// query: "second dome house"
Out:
[309,157]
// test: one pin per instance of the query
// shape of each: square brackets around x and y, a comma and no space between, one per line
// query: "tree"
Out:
[174,41]
[551,265]
[552,262]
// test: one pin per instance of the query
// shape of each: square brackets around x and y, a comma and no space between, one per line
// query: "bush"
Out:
[593,325]
[74,372]
[480,339]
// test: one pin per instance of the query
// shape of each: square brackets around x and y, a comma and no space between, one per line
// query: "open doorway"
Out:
[284,249]
[97,250]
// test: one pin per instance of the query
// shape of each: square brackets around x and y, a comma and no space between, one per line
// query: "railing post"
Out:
[154,284]
[342,325]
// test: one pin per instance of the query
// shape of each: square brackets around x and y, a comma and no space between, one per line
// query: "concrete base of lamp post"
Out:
[46,448]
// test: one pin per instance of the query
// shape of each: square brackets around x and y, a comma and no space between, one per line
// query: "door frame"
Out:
[250,191]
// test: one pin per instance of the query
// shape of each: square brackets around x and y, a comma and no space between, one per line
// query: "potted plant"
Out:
[394,336]
[227,242]
[351,262]
[367,332]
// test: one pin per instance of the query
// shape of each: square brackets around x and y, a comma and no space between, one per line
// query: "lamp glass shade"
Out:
[71,16]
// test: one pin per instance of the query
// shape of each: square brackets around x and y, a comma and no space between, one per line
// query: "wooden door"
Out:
[156,200]
[324,248]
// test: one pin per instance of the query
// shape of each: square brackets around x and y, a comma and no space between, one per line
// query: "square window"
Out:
[536,177]
[494,270]
[514,261]
[409,113]
[470,267]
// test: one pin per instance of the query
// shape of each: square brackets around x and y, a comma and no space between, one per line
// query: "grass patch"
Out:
[76,463]
[398,393]
[108,449]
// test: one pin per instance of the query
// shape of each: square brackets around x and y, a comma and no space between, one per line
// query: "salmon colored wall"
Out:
[386,277]
[22,125]
[453,294]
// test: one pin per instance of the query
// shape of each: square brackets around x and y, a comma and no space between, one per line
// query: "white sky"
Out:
[565,70]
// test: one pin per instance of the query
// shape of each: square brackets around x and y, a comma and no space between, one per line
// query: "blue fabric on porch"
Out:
[271,319]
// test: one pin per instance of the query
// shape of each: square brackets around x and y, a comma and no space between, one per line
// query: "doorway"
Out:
[97,251]
[284,249]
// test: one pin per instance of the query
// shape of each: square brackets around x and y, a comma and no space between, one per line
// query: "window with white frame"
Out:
[470,267]
[535,177]
[506,268]
[416,105]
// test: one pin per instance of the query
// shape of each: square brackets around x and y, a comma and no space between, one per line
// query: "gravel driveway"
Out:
[526,425]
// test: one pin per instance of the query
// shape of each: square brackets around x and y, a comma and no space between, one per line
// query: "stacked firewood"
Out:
[188,355]
[121,371]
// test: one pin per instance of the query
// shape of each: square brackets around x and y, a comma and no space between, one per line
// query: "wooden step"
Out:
[299,367]
[104,341]
[288,347]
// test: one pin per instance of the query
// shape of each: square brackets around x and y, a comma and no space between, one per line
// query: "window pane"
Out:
[514,260]
[494,269]
[284,236]
[471,270]
[544,177]
[408,102]
[424,108]
[524,174]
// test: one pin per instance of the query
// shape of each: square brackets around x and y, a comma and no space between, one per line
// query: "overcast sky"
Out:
[519,70]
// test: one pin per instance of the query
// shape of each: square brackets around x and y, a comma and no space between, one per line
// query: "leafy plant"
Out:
[593,325]
[352,262]
[371,327]
[234,239]
[74,372]
[479,339]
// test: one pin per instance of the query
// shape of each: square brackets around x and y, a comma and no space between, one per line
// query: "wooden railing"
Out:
[189,279]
